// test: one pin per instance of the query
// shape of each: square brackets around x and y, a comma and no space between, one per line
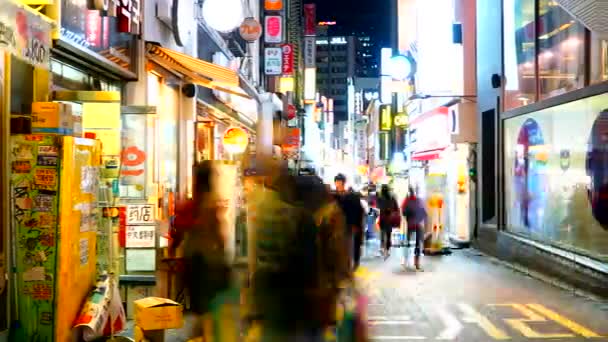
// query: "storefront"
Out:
[25,43]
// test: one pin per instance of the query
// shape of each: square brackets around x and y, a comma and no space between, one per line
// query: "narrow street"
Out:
[469,297]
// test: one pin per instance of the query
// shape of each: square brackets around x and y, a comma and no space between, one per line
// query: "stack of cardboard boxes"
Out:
[153,315]
[56,118]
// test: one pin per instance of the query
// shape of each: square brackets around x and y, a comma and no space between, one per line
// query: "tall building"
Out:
[367,59]
[336,62]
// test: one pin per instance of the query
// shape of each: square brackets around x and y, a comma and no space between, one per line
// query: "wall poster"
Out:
[556,176]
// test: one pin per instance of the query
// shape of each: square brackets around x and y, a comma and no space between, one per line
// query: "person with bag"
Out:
[389,218]
[196,225]
[415,214]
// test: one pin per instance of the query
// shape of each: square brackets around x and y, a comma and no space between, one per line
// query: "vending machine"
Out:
[54,182]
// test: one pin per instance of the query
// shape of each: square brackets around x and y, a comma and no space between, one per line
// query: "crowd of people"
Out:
[308,244]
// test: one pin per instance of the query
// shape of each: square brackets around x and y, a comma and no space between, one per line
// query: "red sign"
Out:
[274,29]
[123,14]
[287,50]
[292,140]
[291,112]
[93,28]
[310,20]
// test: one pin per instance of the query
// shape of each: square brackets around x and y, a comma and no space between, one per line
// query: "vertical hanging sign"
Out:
[287,58]
[310,20]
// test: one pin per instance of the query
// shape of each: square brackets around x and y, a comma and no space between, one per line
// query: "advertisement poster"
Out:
[273,59]
[35,193]
[556,176]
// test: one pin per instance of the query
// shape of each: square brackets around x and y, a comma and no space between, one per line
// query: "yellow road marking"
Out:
[472,316]
[565,322]
[520,324]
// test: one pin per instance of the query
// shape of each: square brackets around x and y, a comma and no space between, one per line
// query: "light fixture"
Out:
[223,15]
[400,67]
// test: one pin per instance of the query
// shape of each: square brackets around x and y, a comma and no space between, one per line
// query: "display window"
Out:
[556,176]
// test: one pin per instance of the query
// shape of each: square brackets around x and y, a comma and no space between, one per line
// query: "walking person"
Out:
[415,214]
[350,203]
[389,218]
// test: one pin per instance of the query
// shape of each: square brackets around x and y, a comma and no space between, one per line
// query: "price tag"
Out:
[138,214]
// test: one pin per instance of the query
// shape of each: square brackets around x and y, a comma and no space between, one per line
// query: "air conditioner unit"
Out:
[163,11]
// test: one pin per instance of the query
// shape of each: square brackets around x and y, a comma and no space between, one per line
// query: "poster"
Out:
[141,236]
[556,176]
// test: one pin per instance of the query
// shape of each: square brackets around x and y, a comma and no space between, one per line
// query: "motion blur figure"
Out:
[387,205]
[298,265]
[350,203]
[414,211]
[197,227]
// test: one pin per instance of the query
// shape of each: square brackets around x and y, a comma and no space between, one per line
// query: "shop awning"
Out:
[202,73]
[427,155]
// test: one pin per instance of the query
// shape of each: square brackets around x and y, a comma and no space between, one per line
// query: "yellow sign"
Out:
[385,118]
[401,120]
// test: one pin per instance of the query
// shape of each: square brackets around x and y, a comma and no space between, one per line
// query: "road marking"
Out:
[387,318]
[565,322]
[520,324]
[390,322]
[453,327]
[472,316]
[397,338]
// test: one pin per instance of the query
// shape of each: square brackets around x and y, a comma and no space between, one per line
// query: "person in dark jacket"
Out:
[386,204]
[413,209]
[350,203]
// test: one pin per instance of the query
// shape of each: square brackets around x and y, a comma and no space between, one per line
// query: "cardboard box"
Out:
[52,117]
[154,313]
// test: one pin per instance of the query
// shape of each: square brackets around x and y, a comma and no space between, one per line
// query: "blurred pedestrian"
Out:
[389,218]
[350,203]
[197,226]
[415,214]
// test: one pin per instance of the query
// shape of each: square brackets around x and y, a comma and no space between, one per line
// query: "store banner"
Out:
[273,5]
[273,29]
[287,53]
[310,19]
[25,34]
[310,52]
[273,61]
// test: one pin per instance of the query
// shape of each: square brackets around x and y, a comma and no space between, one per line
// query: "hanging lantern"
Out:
[235,140]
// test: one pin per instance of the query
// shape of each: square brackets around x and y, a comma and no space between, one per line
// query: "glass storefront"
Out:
[561,50]
[519,50]
[556,176]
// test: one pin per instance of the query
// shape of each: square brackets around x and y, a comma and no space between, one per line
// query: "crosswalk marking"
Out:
[390,322]
[452,325]
[565,322]
[472,316]
[521,324]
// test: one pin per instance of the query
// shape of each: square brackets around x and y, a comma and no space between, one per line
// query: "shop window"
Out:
[561,50]
[556,176]
[519,50]
[599,59]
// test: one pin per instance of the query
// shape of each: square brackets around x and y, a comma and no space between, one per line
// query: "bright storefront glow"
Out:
[223,15]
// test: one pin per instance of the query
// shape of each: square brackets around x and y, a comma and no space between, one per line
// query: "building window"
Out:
[519,51]
[561,50]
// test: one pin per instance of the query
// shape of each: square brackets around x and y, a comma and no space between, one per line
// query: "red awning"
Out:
[427,155]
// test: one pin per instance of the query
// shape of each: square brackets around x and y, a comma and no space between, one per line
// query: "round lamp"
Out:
[400,67]
[223,15]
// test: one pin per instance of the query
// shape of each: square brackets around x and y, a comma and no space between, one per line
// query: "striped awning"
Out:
[199,72]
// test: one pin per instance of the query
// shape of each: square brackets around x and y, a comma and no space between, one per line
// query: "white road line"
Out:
[388,318]
[397,338]
[390,322]
[453,327]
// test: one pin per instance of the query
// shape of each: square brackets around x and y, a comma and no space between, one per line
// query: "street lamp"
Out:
[223,15]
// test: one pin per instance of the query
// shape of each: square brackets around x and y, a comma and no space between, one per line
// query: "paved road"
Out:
[469,297]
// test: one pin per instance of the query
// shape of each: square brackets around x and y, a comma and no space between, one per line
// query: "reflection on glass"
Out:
[556,169]
[561,45]
[599,58]
[519,47]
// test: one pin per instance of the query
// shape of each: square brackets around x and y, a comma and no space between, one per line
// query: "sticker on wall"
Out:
[45,179]
[84,251]
[46,161]
[89,179]
[34,274]
[23,152]
[43,203]
[22,166]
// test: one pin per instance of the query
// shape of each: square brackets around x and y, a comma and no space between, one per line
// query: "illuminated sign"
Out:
[338,41]
[310,82]
[274,29]
[327,23]
[385,118]
[322,42]
[235,140]
[401,120]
